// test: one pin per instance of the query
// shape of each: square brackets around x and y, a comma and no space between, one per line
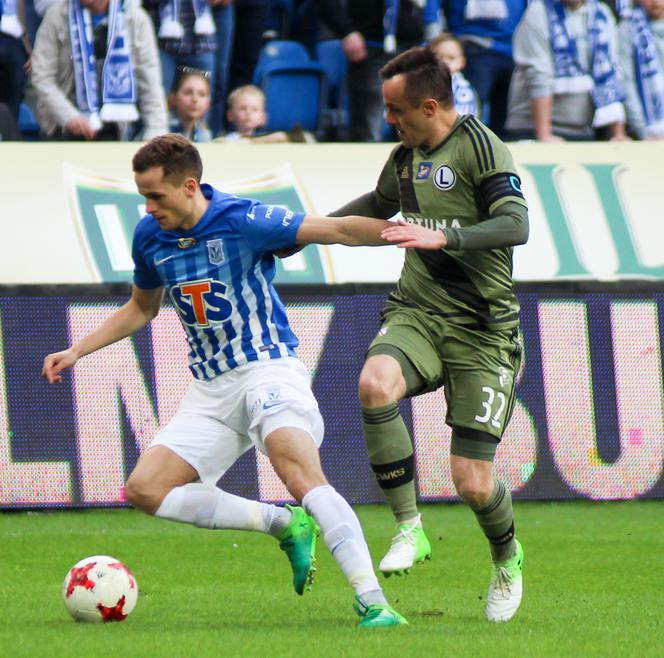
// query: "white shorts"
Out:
[220,419]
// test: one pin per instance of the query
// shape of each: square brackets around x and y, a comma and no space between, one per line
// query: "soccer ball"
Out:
[99,588]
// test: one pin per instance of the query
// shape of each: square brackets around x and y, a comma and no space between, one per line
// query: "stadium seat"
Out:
[27,123]
[294,95]
[284,52]
[332,58]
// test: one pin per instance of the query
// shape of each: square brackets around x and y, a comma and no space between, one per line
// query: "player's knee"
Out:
[301,482]
[140,494]
[374,390]
[472,489]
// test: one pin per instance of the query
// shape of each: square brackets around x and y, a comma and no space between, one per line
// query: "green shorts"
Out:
[477,369]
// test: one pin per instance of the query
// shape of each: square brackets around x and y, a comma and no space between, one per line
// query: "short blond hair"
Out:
[241,91]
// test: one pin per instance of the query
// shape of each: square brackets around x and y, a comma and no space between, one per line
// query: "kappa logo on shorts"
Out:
[382,331]
[503,376]
[444,178]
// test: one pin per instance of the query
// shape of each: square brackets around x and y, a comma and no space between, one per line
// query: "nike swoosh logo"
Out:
[163,260]
[274,403]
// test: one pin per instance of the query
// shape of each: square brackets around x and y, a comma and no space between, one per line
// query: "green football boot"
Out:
[377,615]
[409,546]
[298,540]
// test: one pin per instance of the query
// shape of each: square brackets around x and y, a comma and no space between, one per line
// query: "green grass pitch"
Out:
[593,583]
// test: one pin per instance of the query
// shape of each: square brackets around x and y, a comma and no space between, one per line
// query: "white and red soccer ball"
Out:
[100,588]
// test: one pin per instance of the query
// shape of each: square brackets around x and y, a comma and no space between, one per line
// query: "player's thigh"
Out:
[480,378]
[406,336]
[203,431]
[279,395]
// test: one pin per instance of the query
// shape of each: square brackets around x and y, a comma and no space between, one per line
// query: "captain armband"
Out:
[499,186]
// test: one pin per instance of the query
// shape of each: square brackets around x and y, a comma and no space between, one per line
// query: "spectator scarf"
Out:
[170,26]
[9,23]
[431,20]
[485,10]
[649,73]
[118,83]
[570,77]
[464,95]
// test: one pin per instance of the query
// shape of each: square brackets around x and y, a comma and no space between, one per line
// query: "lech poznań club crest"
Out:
[215,251]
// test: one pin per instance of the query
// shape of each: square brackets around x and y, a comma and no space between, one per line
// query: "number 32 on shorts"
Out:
[493,407]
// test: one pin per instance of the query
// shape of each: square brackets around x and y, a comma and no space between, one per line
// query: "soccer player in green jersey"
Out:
[453,320]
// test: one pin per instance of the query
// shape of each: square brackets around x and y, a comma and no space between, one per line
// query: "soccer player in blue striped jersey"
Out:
[212,253]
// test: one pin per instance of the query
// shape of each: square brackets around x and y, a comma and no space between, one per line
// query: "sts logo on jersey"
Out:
[202,303]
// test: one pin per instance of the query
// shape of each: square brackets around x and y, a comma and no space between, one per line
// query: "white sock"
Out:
[210,507]
[344,537]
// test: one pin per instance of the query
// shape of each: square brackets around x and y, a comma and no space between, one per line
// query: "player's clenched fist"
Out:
[55,363]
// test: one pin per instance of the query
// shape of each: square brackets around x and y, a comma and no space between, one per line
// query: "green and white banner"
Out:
[71,209]
[106,212]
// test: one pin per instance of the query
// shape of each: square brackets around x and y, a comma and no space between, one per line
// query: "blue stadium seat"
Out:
[27,123]
[294,95]
[285,52]
[332,58]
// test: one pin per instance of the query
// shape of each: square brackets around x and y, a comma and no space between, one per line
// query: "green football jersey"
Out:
[456,184]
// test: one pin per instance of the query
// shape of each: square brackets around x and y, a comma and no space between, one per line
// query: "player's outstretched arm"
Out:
[142,306]
[352,231]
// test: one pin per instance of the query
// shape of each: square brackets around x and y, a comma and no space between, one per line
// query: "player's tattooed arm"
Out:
[142,306]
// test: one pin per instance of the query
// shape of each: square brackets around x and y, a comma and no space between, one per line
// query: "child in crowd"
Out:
[189,102]
[641,60]
[449,50]
[246,112]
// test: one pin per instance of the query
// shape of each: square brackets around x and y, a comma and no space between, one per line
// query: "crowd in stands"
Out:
[300,70]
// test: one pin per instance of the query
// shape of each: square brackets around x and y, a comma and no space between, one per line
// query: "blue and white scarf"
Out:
[570,77]
[485,10]
[119,86]
[9,23]
[649,73]
[170,26]
[431,20]
[464,95]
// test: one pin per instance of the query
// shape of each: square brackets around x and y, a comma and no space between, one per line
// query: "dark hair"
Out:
[425,76]
[174,153]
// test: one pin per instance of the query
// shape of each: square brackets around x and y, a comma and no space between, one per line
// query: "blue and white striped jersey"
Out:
[219,277]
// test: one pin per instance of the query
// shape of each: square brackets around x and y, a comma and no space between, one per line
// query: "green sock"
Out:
[497,522]
[391,457]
